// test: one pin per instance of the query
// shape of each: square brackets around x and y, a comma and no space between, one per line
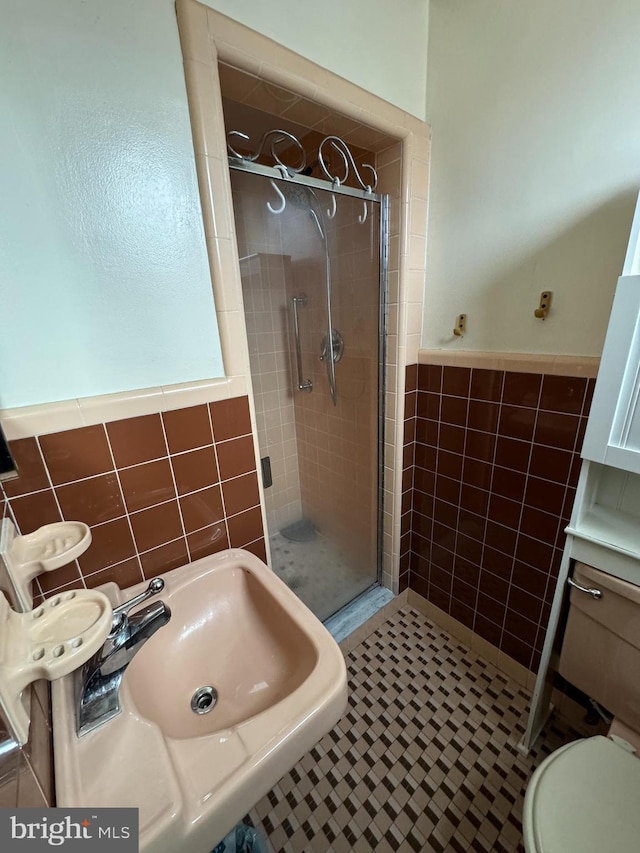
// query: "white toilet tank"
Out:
[601,647]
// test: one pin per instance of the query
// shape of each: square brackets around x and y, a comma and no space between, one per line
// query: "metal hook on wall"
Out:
[283,202]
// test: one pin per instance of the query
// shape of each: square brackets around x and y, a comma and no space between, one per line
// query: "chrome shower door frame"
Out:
[382,370]
[278,174]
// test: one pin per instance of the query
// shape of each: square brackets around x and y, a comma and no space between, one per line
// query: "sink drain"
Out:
[203,700]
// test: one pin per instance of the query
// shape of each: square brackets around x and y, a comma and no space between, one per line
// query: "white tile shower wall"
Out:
[264,277]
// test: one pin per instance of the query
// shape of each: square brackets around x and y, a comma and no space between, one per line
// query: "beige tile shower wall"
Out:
[264,277]
[260,232]
[403,173]
[338,444]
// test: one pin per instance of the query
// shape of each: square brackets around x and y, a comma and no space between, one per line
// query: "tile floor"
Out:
[423,760]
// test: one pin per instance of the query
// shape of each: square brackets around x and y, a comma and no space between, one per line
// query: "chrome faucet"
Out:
[97,683]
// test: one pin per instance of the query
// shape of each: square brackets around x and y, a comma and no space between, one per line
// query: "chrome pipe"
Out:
[330,361]
[303,384]
[382,377]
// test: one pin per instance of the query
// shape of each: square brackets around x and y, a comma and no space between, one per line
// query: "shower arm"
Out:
[328,354]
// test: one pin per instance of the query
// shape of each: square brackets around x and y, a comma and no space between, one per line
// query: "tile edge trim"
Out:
[520,362]
[43,418]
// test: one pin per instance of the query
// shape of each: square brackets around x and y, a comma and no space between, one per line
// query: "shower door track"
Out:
[280,174]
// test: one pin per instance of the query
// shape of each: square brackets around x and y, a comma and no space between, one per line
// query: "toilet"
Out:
[585,797]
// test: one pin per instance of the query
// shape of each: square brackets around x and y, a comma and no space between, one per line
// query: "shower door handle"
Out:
[303,384]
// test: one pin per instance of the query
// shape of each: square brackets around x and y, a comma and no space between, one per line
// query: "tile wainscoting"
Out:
[157,491]
[491,462]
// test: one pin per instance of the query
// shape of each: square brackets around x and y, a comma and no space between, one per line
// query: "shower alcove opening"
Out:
[313,266]
[223,57]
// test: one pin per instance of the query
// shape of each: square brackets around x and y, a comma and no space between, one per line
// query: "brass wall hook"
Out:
[545,302]
[461,325]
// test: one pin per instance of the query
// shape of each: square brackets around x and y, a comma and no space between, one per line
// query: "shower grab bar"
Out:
[303,384]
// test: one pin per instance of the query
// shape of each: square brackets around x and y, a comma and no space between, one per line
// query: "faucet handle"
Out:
[119,612]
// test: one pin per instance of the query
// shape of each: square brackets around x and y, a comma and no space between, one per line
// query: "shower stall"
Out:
[313,268]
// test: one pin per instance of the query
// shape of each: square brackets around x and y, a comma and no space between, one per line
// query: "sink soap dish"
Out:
[48,642]
[47,548]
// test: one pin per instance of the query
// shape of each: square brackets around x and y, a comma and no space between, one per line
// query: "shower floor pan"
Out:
[317,573]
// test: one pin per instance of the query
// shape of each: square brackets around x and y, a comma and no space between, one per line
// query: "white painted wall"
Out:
[103,269]
[377,44]
[104,281]
[535,170]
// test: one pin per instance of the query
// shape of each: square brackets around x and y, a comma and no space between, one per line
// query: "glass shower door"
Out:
[311,283]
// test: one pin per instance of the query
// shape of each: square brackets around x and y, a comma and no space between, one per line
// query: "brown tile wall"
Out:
[490,470]
[157,491]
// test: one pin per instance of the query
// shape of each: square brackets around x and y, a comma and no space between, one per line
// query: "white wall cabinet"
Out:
[604,530]
[613,431]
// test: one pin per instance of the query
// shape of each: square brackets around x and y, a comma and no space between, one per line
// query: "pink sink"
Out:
[279,683]
[240,640]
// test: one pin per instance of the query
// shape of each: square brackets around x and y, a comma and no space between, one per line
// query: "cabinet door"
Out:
[613,430]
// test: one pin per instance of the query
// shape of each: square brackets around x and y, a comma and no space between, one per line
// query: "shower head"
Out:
[303,198]
[314,216]
[295,193]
